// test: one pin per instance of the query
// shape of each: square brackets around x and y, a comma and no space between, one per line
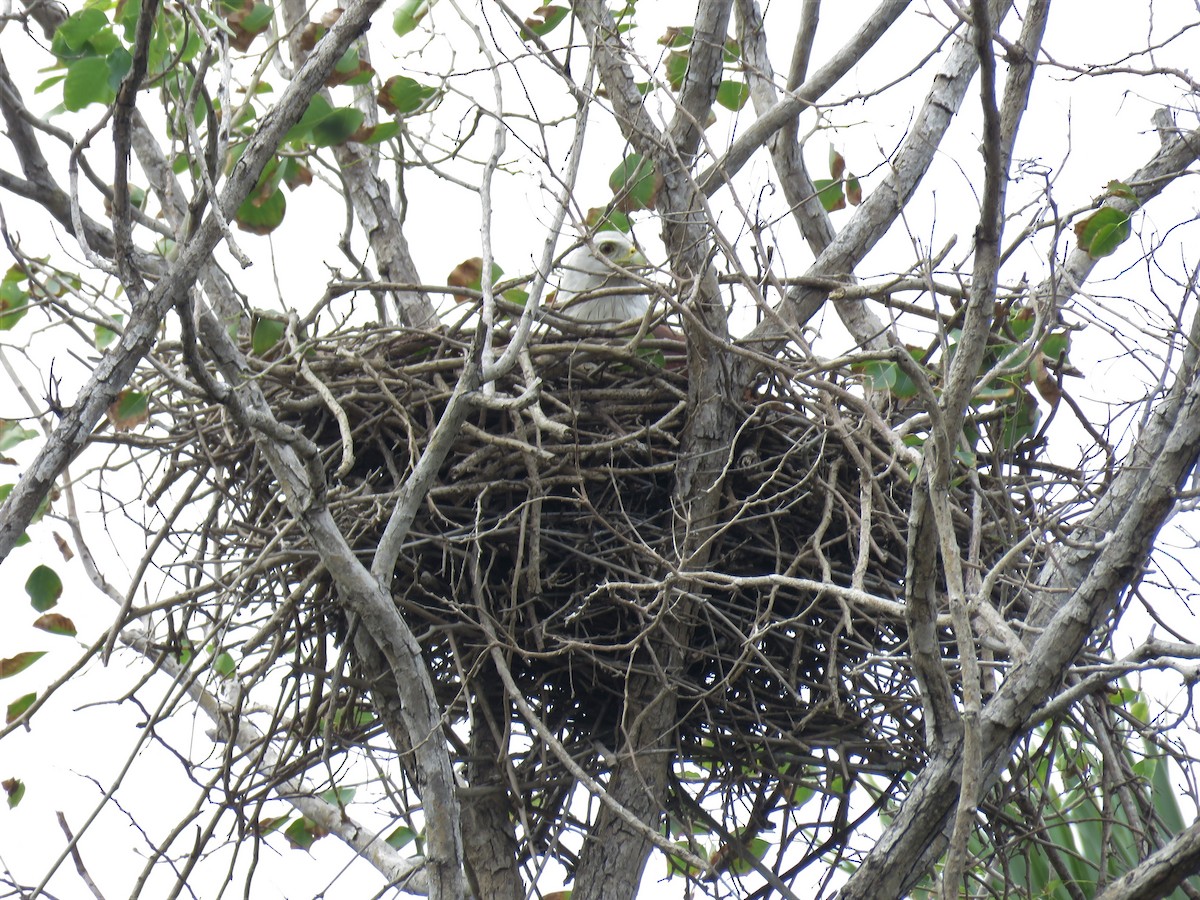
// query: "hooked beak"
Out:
[633,258]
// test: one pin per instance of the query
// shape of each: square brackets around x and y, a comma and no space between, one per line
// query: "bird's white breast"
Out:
[595,267]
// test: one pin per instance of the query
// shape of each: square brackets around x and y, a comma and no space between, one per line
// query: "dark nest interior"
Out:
[558,544]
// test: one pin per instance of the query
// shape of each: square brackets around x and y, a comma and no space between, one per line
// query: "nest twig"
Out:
[562,548]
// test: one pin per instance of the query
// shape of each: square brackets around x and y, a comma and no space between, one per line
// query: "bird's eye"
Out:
[607,248]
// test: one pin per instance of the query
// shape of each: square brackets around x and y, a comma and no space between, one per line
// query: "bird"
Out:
[594,266]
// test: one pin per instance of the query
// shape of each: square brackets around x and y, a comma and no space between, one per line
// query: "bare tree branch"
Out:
[1160,873]
[114,369]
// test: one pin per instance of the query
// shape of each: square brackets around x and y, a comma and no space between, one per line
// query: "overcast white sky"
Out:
[1084,132]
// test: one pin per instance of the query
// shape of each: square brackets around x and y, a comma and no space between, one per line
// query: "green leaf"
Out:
[469,274]
[888,376]
[224,665]
[676,68]
[44,587]
[364,76]
[904,388]
[1108,238]
[653,356]
[1102,232]
[74,33]
[676,864]
[119,64]
[384,131]
[635,183]
[267,333]
[15,788]
[829,192]
[303,833]
[757,848]
[733,94]
[344,718]
[269,825]
[516,296]
[1166,801]
[295,174]
[1120,189]
[1014,358]
[318,108]
[14,300]
[545,19]
[103,42]
[87,83]
[15,710]
[1020,421]
[339,796]
[349,62]
[408,15]
[44,86]
[999,391]
[13,433]
[126,16]
[1056,346]
[19,663]
[402,96]
[337,127]
[104,337]
[601,219]
[1020,321]
[244,21]
[5,490]
[677,37]
[401,837]
[191,50]
[259,18]
[880,374]
[262,215]
[300,834]
[137,196]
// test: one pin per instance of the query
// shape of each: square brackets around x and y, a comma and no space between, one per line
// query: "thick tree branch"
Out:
[879,210]
[703,77]
[1159,874]
[639,780]
[1171,442]
[116,366]
[1068,564]
[1000,133]
[366,597]
[788,158]
[405,873]
[123,110]
[39,185]
[371,199]
[944,437]
[875,25]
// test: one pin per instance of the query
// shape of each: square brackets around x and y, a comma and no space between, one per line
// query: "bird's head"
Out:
[604,253]
[595,266]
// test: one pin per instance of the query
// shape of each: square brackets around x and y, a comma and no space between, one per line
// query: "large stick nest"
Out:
[560,548]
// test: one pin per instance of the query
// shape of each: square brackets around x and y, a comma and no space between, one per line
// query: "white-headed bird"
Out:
[596,267]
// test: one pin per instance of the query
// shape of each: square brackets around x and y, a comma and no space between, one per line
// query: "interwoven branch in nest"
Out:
[562,548]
